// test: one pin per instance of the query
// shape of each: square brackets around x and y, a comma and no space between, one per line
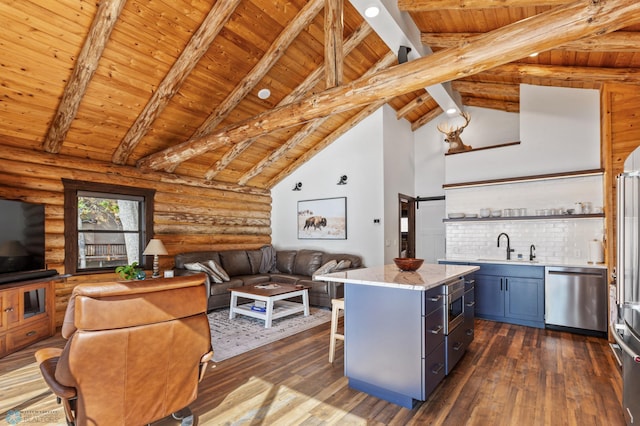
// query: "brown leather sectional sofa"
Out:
[250,267]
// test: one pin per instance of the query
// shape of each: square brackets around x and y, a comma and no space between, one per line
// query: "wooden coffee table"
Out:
[270,293]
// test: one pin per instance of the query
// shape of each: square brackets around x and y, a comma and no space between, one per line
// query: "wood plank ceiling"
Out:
[175,85]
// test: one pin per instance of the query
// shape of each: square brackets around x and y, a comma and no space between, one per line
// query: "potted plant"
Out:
[130,272]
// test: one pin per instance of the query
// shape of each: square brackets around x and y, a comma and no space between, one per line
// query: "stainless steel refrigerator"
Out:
[626,327]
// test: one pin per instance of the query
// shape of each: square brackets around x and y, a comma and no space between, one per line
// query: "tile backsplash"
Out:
[564,240]
[556,240]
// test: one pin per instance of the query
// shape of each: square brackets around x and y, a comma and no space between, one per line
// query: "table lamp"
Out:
[155,248]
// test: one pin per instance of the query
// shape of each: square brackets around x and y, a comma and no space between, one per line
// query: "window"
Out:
[105,225]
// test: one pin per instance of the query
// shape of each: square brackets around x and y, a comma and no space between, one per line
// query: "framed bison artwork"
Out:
[323,219]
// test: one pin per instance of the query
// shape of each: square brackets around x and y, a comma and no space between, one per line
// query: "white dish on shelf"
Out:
[470,215]
[456,215]
[496,213]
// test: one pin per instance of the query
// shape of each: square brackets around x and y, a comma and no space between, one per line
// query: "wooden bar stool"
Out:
[336,306]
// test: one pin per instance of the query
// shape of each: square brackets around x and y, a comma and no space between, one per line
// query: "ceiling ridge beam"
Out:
[501,46]
[618,41]
[356,37]
[181,69]
[435,5]
[272,55]
[398,32]
[306,130]
[83,71]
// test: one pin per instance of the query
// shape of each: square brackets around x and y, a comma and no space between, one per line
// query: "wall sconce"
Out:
[155,248]
[343,180]
[297,187]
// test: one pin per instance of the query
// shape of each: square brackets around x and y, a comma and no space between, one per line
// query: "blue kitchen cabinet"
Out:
[489,296]
[510,293]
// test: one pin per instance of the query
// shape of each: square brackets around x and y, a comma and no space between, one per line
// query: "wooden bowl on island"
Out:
[408,263]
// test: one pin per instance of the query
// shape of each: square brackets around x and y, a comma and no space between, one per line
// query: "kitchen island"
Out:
[404,330]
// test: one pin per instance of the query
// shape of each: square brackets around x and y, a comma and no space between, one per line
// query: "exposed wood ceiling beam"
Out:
[538,33]
[496,104]
[307,129]
[486,89]
[619,41]
[525,73]
[426,118]
[433,5]
[198,45]
[333,42]
[415,103]
[303,89]
[344,128]
[86,65]
[272,55]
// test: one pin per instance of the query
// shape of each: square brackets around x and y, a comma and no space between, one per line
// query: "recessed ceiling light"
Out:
[264,93]
[371,11]
[451,111]
[533,55]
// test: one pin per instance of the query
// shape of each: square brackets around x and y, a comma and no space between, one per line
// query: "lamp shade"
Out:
[155,247]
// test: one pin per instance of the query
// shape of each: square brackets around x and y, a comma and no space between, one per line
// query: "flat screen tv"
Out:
[21,241]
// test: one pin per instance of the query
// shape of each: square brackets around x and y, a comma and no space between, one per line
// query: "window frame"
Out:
[71,190]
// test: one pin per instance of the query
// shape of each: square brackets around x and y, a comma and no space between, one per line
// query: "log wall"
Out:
[620,104]
[190,214]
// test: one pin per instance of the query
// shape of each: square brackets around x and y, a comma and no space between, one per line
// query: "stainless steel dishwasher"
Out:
[576,298]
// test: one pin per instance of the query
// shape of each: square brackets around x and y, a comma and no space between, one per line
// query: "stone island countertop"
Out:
[425,278]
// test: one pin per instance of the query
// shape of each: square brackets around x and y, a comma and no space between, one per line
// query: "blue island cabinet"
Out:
[510,293]
[394,341]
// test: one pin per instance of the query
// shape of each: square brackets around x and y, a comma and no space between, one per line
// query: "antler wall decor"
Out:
[452,135]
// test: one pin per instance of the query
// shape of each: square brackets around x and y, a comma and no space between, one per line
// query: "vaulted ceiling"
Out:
[176,85]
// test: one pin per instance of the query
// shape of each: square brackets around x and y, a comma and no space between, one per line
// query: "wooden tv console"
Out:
[27,313]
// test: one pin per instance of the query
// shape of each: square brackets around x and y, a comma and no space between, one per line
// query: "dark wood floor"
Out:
[511,375]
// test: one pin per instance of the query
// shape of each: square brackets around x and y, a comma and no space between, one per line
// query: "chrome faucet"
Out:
[509,249]
[532,252]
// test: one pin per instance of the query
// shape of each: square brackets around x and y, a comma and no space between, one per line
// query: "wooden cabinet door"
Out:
[524,298]
[489,296]
[10,307]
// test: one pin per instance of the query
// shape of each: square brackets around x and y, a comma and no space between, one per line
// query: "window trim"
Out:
[71,189]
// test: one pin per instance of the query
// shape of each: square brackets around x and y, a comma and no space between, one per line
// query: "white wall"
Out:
[359,155]
[559,132]
[399,176]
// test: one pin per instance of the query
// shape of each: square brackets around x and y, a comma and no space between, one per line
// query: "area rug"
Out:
[231,337]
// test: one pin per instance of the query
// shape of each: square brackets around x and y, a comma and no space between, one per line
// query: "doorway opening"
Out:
[407,226]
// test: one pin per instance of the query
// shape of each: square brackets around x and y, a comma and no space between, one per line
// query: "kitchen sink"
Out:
[509,261]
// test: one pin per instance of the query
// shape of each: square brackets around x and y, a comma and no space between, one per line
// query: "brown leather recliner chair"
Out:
[135,354]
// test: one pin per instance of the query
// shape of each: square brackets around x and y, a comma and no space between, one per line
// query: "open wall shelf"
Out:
[502,219]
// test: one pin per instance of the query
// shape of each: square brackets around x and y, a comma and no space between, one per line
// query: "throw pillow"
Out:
[215,267]
[343,264]
[326,268]
[268,261]
[197,266]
